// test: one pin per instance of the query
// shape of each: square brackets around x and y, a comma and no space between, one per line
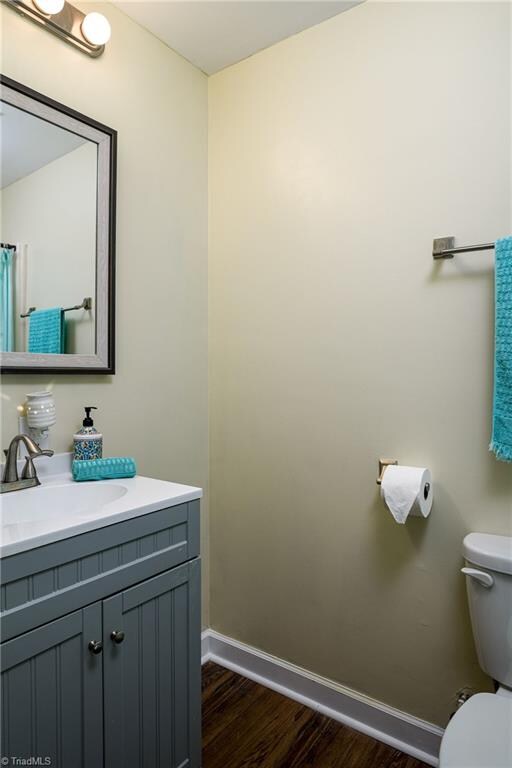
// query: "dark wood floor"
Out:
[248,726]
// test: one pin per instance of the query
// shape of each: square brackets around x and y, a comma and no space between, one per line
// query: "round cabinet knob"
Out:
[95,646]
[117,636]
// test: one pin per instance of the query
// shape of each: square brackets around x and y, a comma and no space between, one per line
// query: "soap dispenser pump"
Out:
[88,442]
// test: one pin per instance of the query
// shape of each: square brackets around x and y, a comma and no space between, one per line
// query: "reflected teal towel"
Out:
[46,334]
[104,469]
[501,442]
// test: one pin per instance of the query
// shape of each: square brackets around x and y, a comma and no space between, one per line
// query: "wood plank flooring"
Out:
[248,726]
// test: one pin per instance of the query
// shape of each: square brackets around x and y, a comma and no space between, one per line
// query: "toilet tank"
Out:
[489,585]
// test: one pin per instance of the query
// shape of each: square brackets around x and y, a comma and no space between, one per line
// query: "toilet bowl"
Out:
[480,733]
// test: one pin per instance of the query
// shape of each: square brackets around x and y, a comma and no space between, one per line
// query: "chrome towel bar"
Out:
[86,304]
[444,248]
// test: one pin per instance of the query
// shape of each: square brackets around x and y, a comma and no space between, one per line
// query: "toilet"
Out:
[480,733]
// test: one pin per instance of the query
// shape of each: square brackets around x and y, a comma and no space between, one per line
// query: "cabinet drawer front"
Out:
[152,677]
[44,583]
[52,693]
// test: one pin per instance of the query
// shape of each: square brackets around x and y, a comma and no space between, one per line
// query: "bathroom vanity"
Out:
[100,624]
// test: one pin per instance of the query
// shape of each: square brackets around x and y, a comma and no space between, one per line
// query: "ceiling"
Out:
[212,34]
[28,143]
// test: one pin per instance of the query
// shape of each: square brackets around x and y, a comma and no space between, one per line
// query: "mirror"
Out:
[57,199]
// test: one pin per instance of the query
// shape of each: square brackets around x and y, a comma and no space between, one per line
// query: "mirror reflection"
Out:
[48,188]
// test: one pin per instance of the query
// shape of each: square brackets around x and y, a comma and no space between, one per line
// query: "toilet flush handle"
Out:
[485,579]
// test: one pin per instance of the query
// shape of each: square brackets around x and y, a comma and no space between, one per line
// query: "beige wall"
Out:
[52,214]
[155,407]
[335,157]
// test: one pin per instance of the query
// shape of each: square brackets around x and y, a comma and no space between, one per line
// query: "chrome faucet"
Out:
[29,478]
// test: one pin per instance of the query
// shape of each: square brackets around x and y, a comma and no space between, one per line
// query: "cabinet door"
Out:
[52,692]
[153,675]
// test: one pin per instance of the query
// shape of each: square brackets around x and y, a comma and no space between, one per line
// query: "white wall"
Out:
[335,158]
[52,211]
[155,407]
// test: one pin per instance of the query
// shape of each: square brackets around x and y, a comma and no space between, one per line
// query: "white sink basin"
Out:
[60,508]
[53,501]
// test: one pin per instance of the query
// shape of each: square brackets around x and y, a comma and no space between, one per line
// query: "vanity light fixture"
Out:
[49,7]
[96,28]
[87,32]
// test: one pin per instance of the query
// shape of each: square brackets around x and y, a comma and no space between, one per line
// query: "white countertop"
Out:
[60,508]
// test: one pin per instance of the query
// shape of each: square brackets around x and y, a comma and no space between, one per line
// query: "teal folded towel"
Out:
[104,469]
[501,442]
[46,335]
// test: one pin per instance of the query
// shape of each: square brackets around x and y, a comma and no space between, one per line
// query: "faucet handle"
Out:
[29,471]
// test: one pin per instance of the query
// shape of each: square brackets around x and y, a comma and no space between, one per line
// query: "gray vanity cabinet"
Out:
[117,681]
[52,693]
[148,710]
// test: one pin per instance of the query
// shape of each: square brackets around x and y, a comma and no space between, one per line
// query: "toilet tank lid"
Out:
[489,550]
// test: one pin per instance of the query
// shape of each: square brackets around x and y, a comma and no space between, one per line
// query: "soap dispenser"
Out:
[88,442]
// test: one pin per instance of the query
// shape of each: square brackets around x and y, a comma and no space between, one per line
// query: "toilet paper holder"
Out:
[383,464]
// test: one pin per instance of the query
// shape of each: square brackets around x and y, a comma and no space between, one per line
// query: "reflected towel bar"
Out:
[86,304]
[9,246]
[444,248]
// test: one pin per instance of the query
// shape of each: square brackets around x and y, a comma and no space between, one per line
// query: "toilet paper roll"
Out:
[407,491]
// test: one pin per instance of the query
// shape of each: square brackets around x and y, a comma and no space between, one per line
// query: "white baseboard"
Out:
[409,734]
[205,646]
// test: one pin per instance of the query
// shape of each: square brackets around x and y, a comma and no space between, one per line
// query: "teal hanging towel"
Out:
[6,300]
[47,331]
[501,442]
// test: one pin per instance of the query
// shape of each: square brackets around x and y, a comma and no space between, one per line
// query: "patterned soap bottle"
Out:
[88,442]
